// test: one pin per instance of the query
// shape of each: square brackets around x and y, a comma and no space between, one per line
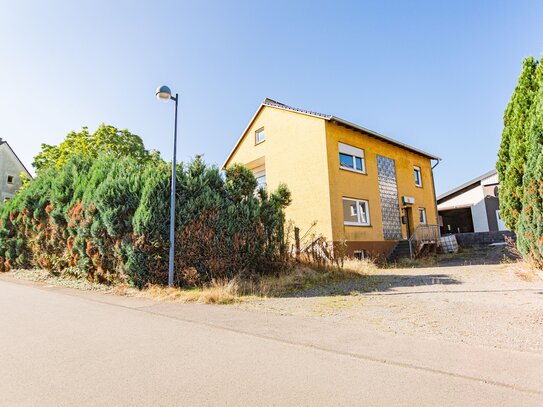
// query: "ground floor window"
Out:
[422,216]
[356,212]
[260,177]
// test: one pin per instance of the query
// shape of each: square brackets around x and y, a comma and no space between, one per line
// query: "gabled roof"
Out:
[2,142]
[334,119]
[468,184]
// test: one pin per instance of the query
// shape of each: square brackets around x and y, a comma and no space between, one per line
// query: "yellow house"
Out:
[357,185]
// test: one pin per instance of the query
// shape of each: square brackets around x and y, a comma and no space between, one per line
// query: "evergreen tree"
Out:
[530,224]
[514,147]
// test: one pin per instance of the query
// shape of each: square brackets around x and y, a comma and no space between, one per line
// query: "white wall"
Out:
[478,214]
[464,200]
[9,165]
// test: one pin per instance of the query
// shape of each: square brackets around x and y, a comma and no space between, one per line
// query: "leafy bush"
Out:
[108,218]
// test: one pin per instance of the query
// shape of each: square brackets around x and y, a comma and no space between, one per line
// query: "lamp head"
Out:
[163,93]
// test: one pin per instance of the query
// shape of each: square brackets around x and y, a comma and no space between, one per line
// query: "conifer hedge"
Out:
[108,219]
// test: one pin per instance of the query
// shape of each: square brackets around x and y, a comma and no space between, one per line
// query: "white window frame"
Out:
[259,175]
[257,132]
[423,211]
[359,203]
[417,169]
[359,254]
[354,153]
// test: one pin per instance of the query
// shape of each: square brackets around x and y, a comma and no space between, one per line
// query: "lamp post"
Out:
[164,93]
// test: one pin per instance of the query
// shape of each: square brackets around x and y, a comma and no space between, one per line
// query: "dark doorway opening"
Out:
[456,221]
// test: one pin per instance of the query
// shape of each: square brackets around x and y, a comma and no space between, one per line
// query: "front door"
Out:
[407,217]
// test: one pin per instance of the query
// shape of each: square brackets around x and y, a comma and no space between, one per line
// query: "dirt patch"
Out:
[487,305]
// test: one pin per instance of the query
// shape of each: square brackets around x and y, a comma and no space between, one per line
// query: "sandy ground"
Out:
[490,305]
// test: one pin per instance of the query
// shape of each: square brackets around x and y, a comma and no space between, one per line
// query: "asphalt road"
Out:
[59,347]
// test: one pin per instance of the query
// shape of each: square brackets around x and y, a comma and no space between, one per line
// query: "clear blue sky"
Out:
[434,75]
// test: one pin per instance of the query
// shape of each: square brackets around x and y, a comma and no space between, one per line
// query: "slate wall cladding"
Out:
[388,191]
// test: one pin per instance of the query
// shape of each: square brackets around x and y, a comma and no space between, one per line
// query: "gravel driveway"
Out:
[492,305]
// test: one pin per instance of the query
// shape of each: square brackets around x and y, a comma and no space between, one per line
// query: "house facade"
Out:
[11,169]
[472,207]
[348,183]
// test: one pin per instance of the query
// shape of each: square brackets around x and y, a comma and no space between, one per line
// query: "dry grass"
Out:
[360,267]
[295,279]
[215,293]
[298,278]
[525,271]
[422,262]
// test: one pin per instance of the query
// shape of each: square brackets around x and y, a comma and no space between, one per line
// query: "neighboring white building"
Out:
[471,207]
[10,171]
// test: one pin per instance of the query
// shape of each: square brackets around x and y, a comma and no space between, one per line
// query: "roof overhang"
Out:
[382,137]
[466,185]
[333,119]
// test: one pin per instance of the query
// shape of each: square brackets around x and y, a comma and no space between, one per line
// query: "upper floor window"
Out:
[422,216]
[10,179]
[356,212]
[260,136]
[351,158]
[418,176]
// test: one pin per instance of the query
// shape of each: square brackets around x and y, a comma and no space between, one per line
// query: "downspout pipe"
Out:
[435,196]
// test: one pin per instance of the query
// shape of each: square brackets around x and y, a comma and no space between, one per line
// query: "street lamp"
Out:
[164,93]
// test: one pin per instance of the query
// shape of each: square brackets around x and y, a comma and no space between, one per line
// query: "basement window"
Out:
[359,254]
[260,136]
[10,179]
[356,212]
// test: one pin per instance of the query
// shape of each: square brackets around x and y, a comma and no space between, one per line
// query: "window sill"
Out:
[418,186]
[356,224]
[352,170]
[260,142]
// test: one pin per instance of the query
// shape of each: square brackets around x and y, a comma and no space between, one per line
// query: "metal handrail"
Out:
[423,234]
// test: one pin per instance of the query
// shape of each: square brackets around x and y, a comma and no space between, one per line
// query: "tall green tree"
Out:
[107,140]
[530,224]
[514,147]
